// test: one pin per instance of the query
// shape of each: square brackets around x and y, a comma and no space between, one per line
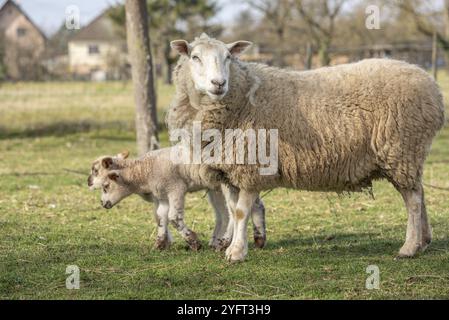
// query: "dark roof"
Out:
[11,2]
[101,28]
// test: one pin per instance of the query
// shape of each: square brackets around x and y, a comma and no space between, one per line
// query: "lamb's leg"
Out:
[426,228]
[258,218]
[218,203]
[176,217]
[239,245]
[413,199]
[163,239]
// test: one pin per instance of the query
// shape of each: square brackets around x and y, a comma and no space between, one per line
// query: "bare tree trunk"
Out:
[434,55]
[142,74]
[168,63]
[323,52]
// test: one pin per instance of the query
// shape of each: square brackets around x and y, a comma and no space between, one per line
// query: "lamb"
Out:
[156,178]
[339,128]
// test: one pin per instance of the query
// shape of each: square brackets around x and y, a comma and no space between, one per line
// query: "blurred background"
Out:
[39,42]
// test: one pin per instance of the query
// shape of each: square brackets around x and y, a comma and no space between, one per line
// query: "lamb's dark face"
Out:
[209,63]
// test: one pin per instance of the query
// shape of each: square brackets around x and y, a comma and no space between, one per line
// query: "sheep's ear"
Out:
[238,47]
[107,162]
[113,175]
[123,154]
[181,46]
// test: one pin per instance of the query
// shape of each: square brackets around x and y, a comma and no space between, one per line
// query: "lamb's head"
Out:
[209,62]
[114,189]
[100,169]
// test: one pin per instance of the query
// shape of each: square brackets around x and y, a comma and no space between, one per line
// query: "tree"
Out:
[2,58]
[429,19]
[320,17]
[138,41]
[277,13]
[169,19]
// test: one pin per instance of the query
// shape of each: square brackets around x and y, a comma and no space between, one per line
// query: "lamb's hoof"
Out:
[235,254]
[194,245]
[222,244]
[259,241]
[162,243]
[408,251]
[213,243]
[193,242]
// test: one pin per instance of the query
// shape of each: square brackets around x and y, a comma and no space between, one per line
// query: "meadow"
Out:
[319,244]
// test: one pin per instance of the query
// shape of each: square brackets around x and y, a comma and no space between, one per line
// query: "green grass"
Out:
[319,245]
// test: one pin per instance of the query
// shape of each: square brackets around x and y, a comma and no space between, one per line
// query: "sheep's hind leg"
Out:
[176,217]
[238,249]
[258,218]
[413,199]
[218,203]
[164,239]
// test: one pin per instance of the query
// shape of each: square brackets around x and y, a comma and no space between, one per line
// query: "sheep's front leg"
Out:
[238,249]
[163,240]
[176,217]
[218,203]
[231,195]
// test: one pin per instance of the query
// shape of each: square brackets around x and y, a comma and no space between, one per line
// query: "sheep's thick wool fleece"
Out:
[339,127]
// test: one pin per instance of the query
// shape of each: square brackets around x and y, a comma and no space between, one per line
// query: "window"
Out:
[21,32]
[93,49]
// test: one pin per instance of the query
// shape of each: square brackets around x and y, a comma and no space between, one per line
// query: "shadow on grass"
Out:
[352,245]
[63,128]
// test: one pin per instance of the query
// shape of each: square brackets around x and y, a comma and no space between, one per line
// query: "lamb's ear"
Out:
[123,154]
[107,162]
[238,47]
[113,175]
[181,46]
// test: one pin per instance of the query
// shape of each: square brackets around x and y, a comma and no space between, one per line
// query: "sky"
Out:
[50,14]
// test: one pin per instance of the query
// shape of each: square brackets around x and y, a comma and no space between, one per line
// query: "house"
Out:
[22,43]
[97,51]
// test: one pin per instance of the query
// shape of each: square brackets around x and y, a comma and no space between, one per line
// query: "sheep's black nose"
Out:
[89,181]
[218,83]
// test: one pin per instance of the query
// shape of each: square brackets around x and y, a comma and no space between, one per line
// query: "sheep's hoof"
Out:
[425,243]
[162,243]
[235,254]
[408,251]
[259,241]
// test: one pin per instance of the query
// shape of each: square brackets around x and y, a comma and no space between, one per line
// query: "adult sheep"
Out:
[339,127]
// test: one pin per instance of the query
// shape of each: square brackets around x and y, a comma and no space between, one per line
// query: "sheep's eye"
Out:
[195,58]
[105,188]
[228,57]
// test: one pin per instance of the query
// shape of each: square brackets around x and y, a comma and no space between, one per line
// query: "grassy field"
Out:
[319,245]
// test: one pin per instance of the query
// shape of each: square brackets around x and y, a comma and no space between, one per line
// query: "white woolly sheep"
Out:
[339,127]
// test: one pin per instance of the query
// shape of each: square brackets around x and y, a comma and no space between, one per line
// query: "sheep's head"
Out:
[114,189]
[209,62]
[100,168]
